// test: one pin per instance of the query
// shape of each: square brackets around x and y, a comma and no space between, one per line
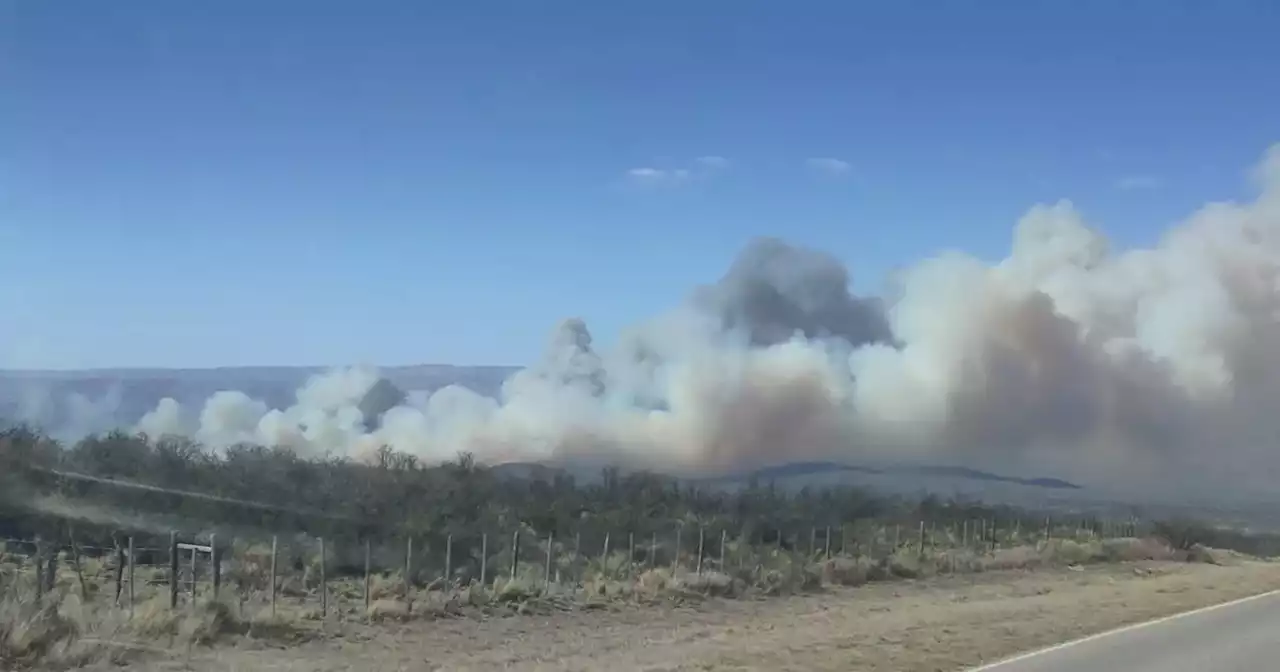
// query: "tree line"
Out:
[272,488]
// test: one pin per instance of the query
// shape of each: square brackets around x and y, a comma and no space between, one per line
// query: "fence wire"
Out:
[347,577]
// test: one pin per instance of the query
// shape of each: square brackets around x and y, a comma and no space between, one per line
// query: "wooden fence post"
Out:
[631,553]
[75,564]
[826,544]
[173,570]
[118,571]
[448,561]
[192,602]
[921,540]
[215,560]
[515,553]
[484,560]
[368,552]
[546,579]
[39,568]
[701,541]
[724,538]
[408,574]
[51,569]
[675,560]
[274,556]
[324,582]
[604,554]
[132,562]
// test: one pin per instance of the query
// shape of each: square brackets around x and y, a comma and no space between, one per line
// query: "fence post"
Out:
[995,535]
[39,568]
[653,550]
[813,541]
[173,570]
[131,573]
[631,553]
[546,579]
[75,564]
[701,539]
[675,560]
[484,560]
[448,561]
[724,537]
[215,559]
[51,569]
[194,553]
[408,575]
[324,582]
[826,544]
[921,540]
[367,553]
[604,553]
[897,537]
[1047,533]
[118,570]
[274,555]
[515,553]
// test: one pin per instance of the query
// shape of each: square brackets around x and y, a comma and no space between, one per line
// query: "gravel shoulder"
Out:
[946,623]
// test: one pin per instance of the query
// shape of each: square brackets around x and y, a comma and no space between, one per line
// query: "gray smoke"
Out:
[382,397]
[1149,370]
[774,292]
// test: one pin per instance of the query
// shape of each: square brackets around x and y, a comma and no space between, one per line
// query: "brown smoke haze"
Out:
[1138,371]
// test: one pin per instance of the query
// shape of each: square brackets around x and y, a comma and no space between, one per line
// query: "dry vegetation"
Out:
[543,545]
[64,631]
[939,623]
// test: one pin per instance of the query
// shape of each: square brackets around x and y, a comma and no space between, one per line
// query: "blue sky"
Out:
[192,184]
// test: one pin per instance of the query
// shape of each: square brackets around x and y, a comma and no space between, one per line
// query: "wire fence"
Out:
[322,577]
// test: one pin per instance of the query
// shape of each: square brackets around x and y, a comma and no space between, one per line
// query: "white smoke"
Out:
[1147,369]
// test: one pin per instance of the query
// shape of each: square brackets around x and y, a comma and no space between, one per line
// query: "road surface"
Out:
[1240,636]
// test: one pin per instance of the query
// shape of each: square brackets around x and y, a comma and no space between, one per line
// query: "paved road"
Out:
[1239,637]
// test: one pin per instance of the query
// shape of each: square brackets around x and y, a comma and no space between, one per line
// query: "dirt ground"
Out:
[947,623]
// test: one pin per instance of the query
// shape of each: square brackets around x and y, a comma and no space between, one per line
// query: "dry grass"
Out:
[937,624]
[61,631]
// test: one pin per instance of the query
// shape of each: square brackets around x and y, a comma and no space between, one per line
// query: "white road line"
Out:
[1135,626]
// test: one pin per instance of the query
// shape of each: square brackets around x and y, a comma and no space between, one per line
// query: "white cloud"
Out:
[656,176]
[701,167]
[829,165]
[646,173]
[1137,182]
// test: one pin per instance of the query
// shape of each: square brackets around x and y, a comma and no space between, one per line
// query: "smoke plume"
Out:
[1143,369]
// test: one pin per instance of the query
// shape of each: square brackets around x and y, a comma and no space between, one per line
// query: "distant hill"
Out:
[903,479]
[119,397]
